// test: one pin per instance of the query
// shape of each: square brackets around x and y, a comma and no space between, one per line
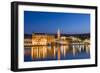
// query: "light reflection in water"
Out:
[50,52]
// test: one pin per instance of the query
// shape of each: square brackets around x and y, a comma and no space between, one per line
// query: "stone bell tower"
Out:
[58,34]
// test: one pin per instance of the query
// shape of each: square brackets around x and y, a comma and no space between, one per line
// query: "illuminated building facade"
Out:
[42,39]
[46,45]
[40,44]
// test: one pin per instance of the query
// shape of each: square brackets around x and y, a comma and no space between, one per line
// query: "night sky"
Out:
[50,22]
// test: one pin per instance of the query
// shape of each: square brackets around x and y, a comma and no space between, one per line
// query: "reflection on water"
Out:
[56,52]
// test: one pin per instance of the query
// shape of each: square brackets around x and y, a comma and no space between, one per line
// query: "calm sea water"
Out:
[68,56]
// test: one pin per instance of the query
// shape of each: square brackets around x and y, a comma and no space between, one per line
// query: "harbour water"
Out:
[56,52]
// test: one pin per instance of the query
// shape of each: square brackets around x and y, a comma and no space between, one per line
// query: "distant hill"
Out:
[27,35]
[81,36]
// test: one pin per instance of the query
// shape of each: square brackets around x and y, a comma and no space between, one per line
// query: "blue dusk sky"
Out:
[50,22]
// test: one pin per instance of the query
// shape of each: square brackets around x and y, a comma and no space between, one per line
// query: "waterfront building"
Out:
[41,42]
[42,45]
[42,39]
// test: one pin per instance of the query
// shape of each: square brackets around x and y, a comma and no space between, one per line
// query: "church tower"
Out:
[58,34]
